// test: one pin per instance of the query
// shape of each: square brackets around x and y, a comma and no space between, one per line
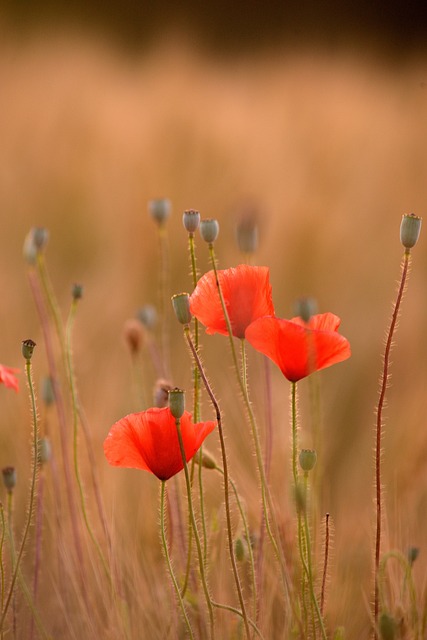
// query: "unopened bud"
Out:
[45,450]
[147,315]
[177,402]
[191,220]
[35,242]
[160,210]
[247,233]
[28,348]
[412,554]
[208,461]
[240,549]
[47,392]
[133,335]
[77,291]
[307,459]
[387,626]
[410,228]
[339,633]
[181,306]
[9,478]
[209,230]
[305,308]
[161,393]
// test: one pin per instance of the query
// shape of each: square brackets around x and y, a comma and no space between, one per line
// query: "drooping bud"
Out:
[9,478]
[35,242]
[307,459]
[133,335]
[209,230]
[247,233]
[191,220]
[177,402]
[412,554]
[208,461]
[47,392]
[161,393]
[160,210]
[28,348]
[147,315]
[181,306]
[240,549]
[77,291]
[339,633]
[387,626]
[410,228]
[305,308]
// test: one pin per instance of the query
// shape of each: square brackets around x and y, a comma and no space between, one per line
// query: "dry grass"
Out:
[331,151]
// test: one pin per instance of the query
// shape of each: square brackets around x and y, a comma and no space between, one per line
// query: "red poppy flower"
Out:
[149,441]
[247,296]
[8,377]
[300,348]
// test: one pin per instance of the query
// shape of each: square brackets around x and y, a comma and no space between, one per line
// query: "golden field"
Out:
[330,150]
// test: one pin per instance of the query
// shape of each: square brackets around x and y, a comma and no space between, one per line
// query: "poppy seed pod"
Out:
[28,348]
[305,308]
[159,210]
[191,220]
[209,230]
[177,402]
[9,478]
[147,315]
[307,459]
[181,306]
[247,234]
[410,228]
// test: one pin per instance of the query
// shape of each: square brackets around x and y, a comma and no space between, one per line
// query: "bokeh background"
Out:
[314,116]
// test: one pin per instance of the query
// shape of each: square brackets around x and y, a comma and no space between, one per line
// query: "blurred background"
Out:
[313,117]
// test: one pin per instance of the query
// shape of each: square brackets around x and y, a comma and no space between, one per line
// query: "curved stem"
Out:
[168,560]
[72,384]
[33,490]
[379,423]
[196,534]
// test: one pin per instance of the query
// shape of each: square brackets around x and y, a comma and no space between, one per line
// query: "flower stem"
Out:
[72,384]
[33,491]
[226,476]
[379,423]
[266,498]
[168,560]
[196,534]
[325,563]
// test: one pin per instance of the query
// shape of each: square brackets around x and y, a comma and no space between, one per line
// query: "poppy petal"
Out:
[8,377]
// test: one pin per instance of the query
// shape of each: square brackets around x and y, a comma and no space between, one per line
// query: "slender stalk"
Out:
[168,560]
[226,476]
[33,492]
[379,423]
[325,564]
[2,580]
[195,532]
[38,541]
[248,539]
[60,408]
[164,298]
[72,384]
[265,494]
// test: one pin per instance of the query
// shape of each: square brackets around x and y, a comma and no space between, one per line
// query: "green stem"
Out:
[379,422]
[72,384]
[168,560]
[226,476]
[195,531]
[33,490]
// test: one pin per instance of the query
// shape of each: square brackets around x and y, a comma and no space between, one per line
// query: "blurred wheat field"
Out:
[331,151]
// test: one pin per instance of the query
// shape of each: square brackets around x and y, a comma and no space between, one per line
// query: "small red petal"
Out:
[8,377]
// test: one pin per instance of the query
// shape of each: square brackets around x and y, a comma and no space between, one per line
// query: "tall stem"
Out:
[196,533]
[379,423]
[226,477]
[168,559]
[33,491]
